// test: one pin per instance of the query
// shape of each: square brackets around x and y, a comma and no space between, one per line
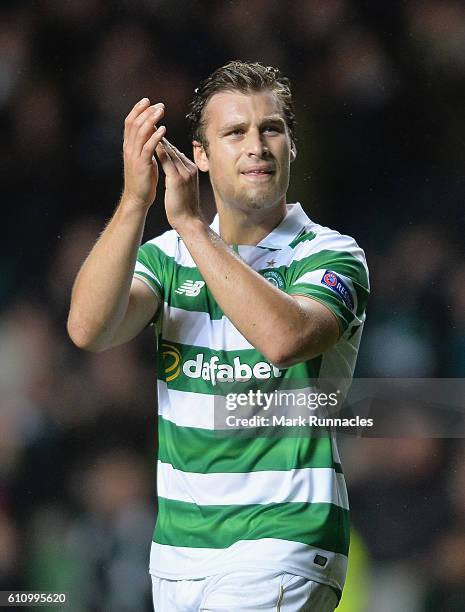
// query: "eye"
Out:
[235,132]
[272,129]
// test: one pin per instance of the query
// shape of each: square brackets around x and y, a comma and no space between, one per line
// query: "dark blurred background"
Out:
[380,99]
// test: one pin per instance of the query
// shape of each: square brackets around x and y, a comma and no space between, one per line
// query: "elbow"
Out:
[282,361]
[291,351]
[303,337]
[283,355]
[81,338]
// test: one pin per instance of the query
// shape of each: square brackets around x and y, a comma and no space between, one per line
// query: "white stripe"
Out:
[141,268]
[184,563]
[338,363]
[166,242]
[197,329]
[307,485]
[174,248]
[184,258]
[186,409]
[327,239]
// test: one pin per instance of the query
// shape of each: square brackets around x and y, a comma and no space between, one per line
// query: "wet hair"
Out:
[245,77]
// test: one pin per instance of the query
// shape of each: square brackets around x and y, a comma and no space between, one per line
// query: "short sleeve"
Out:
[149,267]
[336,277]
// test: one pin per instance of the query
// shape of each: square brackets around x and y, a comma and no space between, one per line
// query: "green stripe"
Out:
[173,356]
[172,275]
[205,451]
[165,267]
[302,238]
[337,261]
[153,258]
[325,526]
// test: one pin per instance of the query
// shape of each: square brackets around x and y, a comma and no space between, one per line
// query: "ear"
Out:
[200,156]
[293,151]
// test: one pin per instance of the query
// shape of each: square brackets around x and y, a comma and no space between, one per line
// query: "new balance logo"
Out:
[190,288]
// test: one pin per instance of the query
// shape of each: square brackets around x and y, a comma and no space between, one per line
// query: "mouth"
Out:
[258,175]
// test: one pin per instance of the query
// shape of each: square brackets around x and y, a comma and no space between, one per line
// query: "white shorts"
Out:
[245,591]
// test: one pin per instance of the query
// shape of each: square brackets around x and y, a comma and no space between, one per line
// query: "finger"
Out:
[133,125]
[187,161]
[191,168]
[146,129]
[171,163]
[175,158]
[137,109]
[166,162]
[151,144]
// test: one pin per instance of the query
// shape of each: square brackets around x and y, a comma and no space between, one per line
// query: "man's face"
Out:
[249,149]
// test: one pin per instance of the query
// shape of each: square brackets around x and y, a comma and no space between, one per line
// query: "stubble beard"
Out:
[251,198]
[260,198]
[259,201]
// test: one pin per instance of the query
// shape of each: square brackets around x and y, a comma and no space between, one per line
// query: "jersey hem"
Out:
[231,567]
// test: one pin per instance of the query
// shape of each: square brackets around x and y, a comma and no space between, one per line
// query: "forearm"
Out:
[101,291]
[272,321]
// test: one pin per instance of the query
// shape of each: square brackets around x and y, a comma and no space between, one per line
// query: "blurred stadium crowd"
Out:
[380,98]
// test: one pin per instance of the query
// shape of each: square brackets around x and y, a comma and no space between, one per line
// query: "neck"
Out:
[249,227]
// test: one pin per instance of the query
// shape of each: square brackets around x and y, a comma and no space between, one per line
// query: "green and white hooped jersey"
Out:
[227,502]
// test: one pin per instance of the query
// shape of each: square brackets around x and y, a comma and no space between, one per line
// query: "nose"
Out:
[255,144]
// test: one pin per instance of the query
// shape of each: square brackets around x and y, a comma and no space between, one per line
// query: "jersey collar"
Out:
[290,227]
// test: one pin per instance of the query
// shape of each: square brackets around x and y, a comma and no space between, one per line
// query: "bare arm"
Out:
[108,307]
[286,329]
